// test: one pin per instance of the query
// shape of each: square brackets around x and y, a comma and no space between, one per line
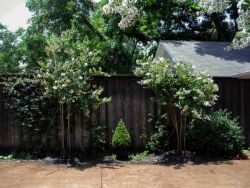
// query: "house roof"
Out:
[208,56]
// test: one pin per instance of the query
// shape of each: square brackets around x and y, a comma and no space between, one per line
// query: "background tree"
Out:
[10,56]
[56,16]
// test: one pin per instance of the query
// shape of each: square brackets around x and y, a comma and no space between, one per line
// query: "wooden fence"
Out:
[131,103]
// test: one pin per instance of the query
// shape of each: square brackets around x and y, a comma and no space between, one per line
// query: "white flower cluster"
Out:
[126,8]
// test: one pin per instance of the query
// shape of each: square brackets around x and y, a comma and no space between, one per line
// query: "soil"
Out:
[122,175]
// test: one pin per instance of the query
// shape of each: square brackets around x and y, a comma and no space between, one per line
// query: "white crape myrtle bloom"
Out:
[196,114]
[126,8]
[187,92]
[206,103]
[201,93]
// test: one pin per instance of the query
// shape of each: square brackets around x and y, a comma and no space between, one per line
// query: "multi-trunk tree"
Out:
[67,77]
[185,93]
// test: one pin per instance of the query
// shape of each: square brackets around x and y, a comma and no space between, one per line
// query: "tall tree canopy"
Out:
[120,45]
[56,16]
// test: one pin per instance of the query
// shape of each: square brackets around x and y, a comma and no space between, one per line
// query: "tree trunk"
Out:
[62,131]
[68,132]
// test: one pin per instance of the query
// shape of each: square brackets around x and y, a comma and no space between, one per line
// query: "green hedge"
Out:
[221,137]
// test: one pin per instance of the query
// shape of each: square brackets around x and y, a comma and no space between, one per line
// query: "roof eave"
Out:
[245,75]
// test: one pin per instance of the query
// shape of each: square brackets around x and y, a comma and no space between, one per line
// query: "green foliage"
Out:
[219,137]
[56,16]
[10,55]
[6,157]
[96,139]
[31,109]
[121,137]
[32,47]
[178,20]
[114,157]
[139,156]
[246,152]
[14,155]
[25,97]
[158,141]
[177,86]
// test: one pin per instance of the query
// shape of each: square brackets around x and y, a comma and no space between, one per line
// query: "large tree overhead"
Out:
[10,56]
[129,31]
[56,16]
[167,19]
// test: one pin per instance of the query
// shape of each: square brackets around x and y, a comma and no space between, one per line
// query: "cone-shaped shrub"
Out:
[121,138]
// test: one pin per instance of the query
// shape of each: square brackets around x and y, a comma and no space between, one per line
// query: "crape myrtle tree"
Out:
[66,76]
[177,86]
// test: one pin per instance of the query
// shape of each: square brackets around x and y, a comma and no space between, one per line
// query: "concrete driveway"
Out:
[229,174]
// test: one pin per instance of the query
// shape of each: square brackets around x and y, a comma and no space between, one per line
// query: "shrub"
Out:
[113,157]
[6,157]
[158,141]
[96,139]
[221,137]
[121,137]
[33,111]
[139,156]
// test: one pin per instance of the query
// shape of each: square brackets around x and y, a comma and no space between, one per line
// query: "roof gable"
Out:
[208,56]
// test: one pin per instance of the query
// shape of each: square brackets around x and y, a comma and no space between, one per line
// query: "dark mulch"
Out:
[168,158]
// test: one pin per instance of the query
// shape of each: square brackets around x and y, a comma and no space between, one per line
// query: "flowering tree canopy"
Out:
[129,10]
[190,92]
[126,8]
[67,73]
[183,91]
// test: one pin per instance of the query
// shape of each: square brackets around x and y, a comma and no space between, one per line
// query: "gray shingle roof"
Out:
[208,56]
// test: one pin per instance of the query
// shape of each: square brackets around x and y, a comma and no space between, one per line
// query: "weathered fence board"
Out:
[131,103]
